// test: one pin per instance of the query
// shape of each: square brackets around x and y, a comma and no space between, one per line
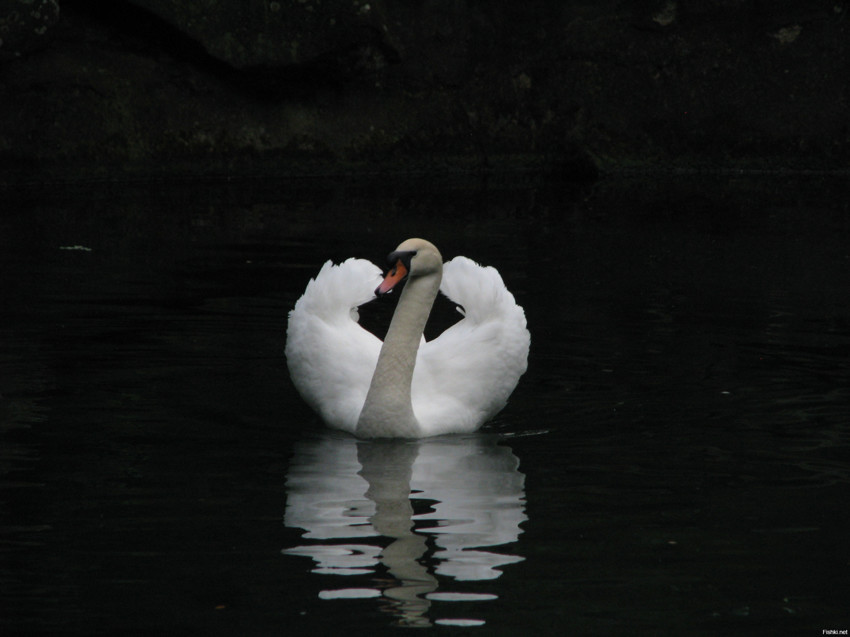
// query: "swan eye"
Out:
[400,258]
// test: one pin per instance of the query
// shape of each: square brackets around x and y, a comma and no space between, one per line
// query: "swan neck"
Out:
[388,409]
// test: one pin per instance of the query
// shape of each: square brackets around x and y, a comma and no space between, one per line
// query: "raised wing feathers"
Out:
[331,358]
[465,376]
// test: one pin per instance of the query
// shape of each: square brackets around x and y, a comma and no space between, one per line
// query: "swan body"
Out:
[407,387]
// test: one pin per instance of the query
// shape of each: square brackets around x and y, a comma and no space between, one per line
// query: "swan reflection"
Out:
[421,511]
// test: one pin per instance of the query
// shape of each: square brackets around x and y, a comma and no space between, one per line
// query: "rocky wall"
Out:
[189,88]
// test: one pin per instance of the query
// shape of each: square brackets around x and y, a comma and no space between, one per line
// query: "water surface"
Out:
[676,459]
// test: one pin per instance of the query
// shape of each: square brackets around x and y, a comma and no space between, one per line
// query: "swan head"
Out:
[412,258]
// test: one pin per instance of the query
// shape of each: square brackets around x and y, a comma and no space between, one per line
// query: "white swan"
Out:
[407,387]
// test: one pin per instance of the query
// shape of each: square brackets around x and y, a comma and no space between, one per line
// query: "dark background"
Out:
[106,90]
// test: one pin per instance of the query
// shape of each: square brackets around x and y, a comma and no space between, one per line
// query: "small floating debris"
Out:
[78,248]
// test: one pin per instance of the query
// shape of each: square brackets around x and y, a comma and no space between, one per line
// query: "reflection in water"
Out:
[440,502]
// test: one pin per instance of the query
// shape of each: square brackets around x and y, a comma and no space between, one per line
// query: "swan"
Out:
[407,387]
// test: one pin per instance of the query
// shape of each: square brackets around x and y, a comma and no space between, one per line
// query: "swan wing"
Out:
[465,376]
[331,358]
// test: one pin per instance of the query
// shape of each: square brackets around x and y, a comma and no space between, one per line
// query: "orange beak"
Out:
[393,278]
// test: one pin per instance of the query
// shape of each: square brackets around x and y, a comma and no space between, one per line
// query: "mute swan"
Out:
[407,387]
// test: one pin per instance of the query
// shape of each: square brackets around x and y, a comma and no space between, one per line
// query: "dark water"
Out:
[675,461]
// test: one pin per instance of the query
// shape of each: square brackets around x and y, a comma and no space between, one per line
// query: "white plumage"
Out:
[459,380]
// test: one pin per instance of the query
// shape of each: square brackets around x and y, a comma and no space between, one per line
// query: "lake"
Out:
[676,460]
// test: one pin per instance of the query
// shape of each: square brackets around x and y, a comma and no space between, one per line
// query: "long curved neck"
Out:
[388,411]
